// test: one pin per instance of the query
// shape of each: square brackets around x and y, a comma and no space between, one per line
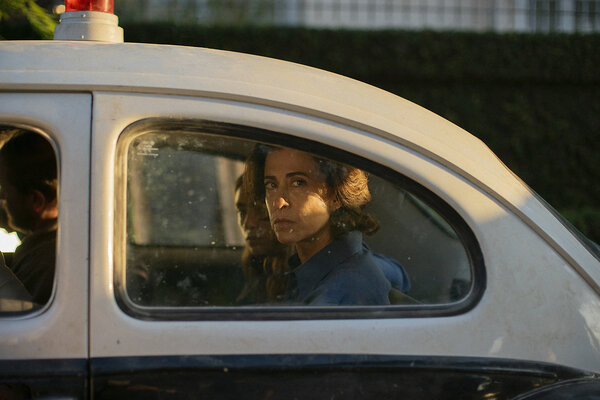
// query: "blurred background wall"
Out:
[472,15]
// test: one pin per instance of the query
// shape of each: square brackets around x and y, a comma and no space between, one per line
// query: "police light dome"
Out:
[89,20]
[106,6]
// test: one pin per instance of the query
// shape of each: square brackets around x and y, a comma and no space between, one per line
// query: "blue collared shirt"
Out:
[342,273]
[393,272]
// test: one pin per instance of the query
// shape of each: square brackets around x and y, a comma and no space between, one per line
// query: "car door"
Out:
[168,316]
[44,349]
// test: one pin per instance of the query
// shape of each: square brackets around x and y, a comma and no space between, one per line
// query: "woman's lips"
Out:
[282,224]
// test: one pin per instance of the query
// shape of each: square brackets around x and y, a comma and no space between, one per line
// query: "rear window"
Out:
[224,221]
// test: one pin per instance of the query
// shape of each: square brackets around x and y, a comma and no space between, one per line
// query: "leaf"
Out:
[41,21]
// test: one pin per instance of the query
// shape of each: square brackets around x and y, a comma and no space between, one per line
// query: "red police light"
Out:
[106,6]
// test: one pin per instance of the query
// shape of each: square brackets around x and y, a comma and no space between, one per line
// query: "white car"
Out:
[504,297]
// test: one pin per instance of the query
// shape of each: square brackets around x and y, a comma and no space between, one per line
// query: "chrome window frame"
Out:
[461,228]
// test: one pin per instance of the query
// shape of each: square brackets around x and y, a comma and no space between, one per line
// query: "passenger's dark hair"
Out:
[30,163]
[264,276]
[238,182]
[349,185]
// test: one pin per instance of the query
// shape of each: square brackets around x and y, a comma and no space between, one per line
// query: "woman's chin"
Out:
[286,237]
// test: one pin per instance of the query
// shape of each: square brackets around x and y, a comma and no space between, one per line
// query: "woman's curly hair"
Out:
[349,184]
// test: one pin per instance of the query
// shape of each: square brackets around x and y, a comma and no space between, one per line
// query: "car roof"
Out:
[179,70]
[149,68]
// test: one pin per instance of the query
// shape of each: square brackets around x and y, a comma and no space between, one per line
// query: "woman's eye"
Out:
[269,185]
[298,182]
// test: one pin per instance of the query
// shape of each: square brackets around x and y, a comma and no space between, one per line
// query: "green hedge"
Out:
[533,99]
[402,55]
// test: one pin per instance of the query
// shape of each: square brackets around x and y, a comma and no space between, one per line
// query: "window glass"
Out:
[208,220]
[28,219]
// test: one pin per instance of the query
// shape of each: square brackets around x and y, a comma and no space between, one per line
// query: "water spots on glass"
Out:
[201,276]
[185,283]
[175,191]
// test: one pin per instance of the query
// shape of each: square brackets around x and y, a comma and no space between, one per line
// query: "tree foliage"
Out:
[40,20]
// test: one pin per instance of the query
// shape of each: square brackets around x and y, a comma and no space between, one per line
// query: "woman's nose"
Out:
[277,199]
[280,201]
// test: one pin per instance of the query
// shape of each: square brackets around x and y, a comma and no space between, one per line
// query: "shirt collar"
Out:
[316,268]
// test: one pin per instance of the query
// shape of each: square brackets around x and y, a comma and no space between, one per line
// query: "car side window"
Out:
[211,223]
[28,218]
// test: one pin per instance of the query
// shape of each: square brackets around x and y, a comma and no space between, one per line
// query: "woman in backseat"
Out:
[318,205]
[264,259]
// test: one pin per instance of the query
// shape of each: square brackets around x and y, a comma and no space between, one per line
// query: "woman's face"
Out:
[254,223]
[298,199]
